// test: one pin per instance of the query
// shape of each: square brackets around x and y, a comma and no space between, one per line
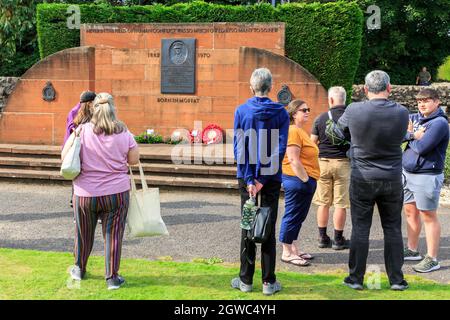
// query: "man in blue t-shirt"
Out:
[423,166]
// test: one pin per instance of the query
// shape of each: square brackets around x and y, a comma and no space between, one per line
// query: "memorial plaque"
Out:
[178,66]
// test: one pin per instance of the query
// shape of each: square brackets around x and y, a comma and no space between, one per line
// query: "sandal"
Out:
[305,256]
[296,261]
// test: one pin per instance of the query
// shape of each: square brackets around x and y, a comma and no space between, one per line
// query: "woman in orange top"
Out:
[300,174]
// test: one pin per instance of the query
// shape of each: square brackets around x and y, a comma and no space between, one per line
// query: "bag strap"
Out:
[142,176]
[78,131]
[329,115]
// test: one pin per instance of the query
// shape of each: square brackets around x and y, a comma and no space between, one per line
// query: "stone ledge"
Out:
[405,95]
[7,85]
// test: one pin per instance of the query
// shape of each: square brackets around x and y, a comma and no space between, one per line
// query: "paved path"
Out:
[201,225]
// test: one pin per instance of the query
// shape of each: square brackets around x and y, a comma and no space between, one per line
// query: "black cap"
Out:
[87,96]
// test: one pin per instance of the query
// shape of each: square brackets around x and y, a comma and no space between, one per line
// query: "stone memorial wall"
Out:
[132,62]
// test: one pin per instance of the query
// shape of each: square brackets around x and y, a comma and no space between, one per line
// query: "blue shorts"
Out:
[423,189]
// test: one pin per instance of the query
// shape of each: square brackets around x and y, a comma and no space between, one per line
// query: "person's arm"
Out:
[417,80]
[293,153]
[343,123]
[277,157]
[133,156]
[315,131]
[243,165]
[429,138]
[410,131]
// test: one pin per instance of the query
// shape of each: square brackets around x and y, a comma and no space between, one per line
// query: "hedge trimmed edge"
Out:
[324,38]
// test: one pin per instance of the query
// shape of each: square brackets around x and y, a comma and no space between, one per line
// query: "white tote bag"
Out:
[71,164]
[144,213]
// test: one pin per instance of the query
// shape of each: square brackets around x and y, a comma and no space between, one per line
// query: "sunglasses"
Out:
[305,110]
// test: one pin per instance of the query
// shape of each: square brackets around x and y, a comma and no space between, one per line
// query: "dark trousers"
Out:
[269,195]
[388,195]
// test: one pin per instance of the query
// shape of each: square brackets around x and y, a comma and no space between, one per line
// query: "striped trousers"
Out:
[112,210]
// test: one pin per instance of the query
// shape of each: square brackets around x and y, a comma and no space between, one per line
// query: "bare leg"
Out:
[323,214]
[432,232]
[339,216]
[414,225]
[287,250]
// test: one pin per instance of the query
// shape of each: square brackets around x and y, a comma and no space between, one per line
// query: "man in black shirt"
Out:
[377,128]
[332,187]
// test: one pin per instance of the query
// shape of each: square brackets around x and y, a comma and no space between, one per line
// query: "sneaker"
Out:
[341,244]
[238,284]
[410,255]
[76,273]
[401,286]
[349,283]
[270,288]
[427,265]
[115,283]
[324,242]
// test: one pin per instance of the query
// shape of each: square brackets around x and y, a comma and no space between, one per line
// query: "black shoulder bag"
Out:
[261,228]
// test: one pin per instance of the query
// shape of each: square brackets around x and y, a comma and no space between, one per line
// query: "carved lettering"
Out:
[178,100]
[215,29]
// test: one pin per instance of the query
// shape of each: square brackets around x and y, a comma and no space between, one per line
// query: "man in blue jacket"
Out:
[260,136]
[423,166]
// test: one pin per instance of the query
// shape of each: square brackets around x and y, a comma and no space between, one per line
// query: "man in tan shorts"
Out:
[333,185]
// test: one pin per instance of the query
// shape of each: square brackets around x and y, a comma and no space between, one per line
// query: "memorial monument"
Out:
[162,76]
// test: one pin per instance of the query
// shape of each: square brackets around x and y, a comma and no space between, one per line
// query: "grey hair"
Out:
[261,81]
[377,81]
[338,93]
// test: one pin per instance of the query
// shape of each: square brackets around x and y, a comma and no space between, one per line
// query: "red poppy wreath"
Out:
[212,134]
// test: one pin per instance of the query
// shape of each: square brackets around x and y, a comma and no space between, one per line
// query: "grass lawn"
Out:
[27,274]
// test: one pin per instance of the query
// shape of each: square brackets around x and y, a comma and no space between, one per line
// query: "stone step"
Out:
[168,168]
[152,180]
[186,154]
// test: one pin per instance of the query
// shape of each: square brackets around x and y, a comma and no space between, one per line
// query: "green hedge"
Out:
[323,38]
[413,34]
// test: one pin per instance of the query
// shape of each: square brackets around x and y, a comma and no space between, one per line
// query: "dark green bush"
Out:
[323,38]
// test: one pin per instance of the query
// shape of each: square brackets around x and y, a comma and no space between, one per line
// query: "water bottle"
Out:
[248,213]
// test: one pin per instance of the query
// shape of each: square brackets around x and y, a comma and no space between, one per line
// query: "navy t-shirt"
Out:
[326,148]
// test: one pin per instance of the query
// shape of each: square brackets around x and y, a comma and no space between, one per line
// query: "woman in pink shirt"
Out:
[101,191]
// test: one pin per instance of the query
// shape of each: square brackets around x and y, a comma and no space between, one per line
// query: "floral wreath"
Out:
[212,134]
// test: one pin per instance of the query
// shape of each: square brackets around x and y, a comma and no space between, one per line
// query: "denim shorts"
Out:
[423,189]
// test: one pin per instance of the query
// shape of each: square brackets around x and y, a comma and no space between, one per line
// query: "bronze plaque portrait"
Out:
[178,66]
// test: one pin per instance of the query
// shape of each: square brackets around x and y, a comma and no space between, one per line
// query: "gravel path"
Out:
[201,225]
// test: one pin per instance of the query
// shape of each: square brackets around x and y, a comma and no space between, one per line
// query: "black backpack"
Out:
[334,133]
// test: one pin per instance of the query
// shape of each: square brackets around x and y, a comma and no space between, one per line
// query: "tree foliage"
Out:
[413,33]
[17,19]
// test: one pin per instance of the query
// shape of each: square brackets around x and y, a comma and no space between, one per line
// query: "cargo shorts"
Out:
[333,184]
